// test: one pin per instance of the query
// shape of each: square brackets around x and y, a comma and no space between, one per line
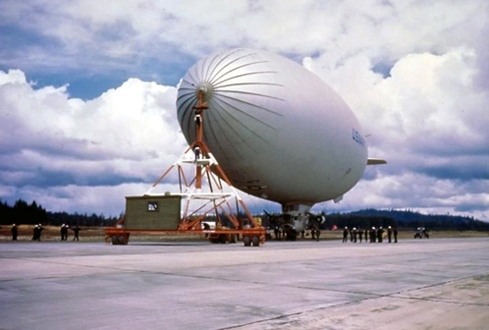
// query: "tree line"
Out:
[22,213]
[407,220]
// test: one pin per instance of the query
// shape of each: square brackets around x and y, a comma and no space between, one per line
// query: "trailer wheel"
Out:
[114,240]
[122,240]
[222,238]
[255,240]
[246,241]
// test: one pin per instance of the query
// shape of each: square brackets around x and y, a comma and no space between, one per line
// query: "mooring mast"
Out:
[196,200]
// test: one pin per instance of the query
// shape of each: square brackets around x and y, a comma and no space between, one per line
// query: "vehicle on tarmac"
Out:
[421,232]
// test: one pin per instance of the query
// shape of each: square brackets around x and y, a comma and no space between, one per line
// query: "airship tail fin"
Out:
[375,161]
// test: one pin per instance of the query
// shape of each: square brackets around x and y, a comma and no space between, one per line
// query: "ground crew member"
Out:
[372,235]
[14,231]
[394,231]
[389,234]
[62,232]
[345,234]
[380,233]
[360,234]
[35,233]
[276,232]
[40,228]
[76,230]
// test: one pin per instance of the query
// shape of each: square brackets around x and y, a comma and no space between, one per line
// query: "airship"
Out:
[278,131]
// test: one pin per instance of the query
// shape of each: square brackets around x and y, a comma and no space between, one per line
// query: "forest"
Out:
[404,220]
[22,213]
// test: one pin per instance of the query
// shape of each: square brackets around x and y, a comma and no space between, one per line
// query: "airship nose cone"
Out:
[206,89]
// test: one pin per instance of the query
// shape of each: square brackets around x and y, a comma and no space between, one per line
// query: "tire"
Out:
[255,240]
[222,238]
[246,240]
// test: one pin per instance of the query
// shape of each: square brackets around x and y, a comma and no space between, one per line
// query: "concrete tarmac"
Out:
[414,284]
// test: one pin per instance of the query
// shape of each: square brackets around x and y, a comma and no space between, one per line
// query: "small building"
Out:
[153,212]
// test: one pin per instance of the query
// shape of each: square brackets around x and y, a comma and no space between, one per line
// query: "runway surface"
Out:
[415,284]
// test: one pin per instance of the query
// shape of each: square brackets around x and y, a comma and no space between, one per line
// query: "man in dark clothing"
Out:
[372,235]
[40,228]
[360,234]
[389,234]
[380,233]
[76,230]
[276,232]
[345,234]
[35,234]
[14,231]
[394,231]
[64,232]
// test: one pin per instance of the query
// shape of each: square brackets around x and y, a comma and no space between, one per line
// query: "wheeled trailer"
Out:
[249,237]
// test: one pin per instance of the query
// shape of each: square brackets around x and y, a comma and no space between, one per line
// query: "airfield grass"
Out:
[97,234]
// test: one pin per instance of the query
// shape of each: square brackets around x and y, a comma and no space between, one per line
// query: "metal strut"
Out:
[199,146]
[202,154]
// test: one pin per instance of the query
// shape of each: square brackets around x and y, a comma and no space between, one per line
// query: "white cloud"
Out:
[51,142]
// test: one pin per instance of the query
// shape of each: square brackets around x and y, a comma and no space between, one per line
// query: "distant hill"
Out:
[405,220]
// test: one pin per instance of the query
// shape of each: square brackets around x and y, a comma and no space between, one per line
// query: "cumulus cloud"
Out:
[53,143]
[428,119]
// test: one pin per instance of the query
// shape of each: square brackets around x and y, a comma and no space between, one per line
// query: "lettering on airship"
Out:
[357,137]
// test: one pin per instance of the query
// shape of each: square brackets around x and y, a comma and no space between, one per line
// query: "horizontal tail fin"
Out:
[375,161]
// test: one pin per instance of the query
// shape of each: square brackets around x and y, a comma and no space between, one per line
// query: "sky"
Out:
[88,92]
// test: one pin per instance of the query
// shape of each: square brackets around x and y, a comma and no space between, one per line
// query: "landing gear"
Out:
[290,234]
[253,240]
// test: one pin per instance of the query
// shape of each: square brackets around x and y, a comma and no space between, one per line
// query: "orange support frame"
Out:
[205,166]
